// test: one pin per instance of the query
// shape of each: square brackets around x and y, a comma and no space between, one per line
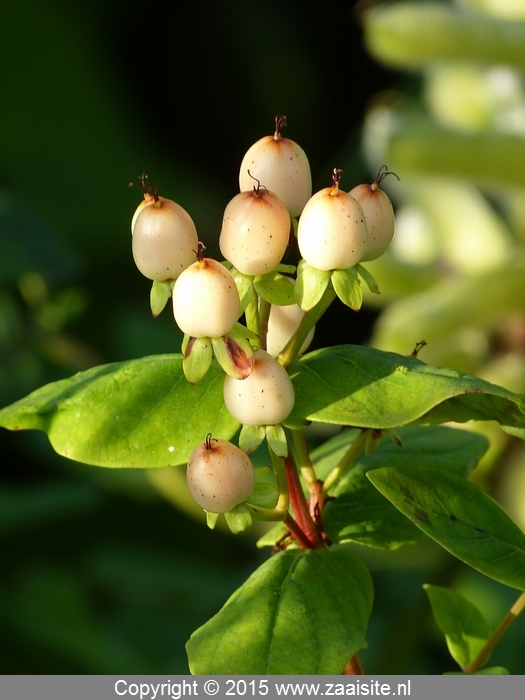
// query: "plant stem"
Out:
[303,457]
[300,505]
[252,314]
[296,532]
[264,315]
[283,503]
[498,633]
[292,347]
[353,667]
[348,459]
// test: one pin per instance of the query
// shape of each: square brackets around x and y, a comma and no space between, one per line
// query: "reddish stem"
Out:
[300,505]
[353,667]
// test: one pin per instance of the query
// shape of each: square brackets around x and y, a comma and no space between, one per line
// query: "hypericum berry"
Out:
[164,238]
[282,324]
[379,215]
[265,397]
[219,475]
[205,299]
[282,166]
[332,233]
[255,231]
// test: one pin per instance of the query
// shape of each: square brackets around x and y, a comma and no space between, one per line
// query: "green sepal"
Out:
[235,356]
[264,495]
[211,519]
[368,278]
[240,331]
[277,440]
[348,287]
[238,518]
[197,359]
[311,285]
[159,295]
[261,472]
[275,288]
[286,269]
[185,342]
[244,284]
[251,437]
[274,535]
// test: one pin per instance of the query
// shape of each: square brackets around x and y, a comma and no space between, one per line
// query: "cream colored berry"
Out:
[219,475]
[265,397]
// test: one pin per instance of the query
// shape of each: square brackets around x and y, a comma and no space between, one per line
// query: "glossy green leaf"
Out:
[301,612]
[360,513]
[364,387]
[139,413]
[463,625]
[347,286]
[460,517]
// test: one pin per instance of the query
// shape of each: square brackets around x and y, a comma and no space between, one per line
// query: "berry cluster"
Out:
[335,231]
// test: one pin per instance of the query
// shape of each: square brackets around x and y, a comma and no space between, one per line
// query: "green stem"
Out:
[291,349]
[498,633]
[252,313]
[283,502]
[303,459]
[264,315]
[346,461]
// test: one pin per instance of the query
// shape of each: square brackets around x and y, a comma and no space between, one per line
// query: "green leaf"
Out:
[364,387]
[360,513]
[348,287]
[302,612]
[275,288]
[159,295]
[310,285]
[464,627]
[460,517]
[139,413]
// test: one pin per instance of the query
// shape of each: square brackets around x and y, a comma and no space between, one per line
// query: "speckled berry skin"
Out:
[219,475]
[332,232]
[255,231]
[205,300]
[265,397]
[164,240]
[379,215]
[281,165]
